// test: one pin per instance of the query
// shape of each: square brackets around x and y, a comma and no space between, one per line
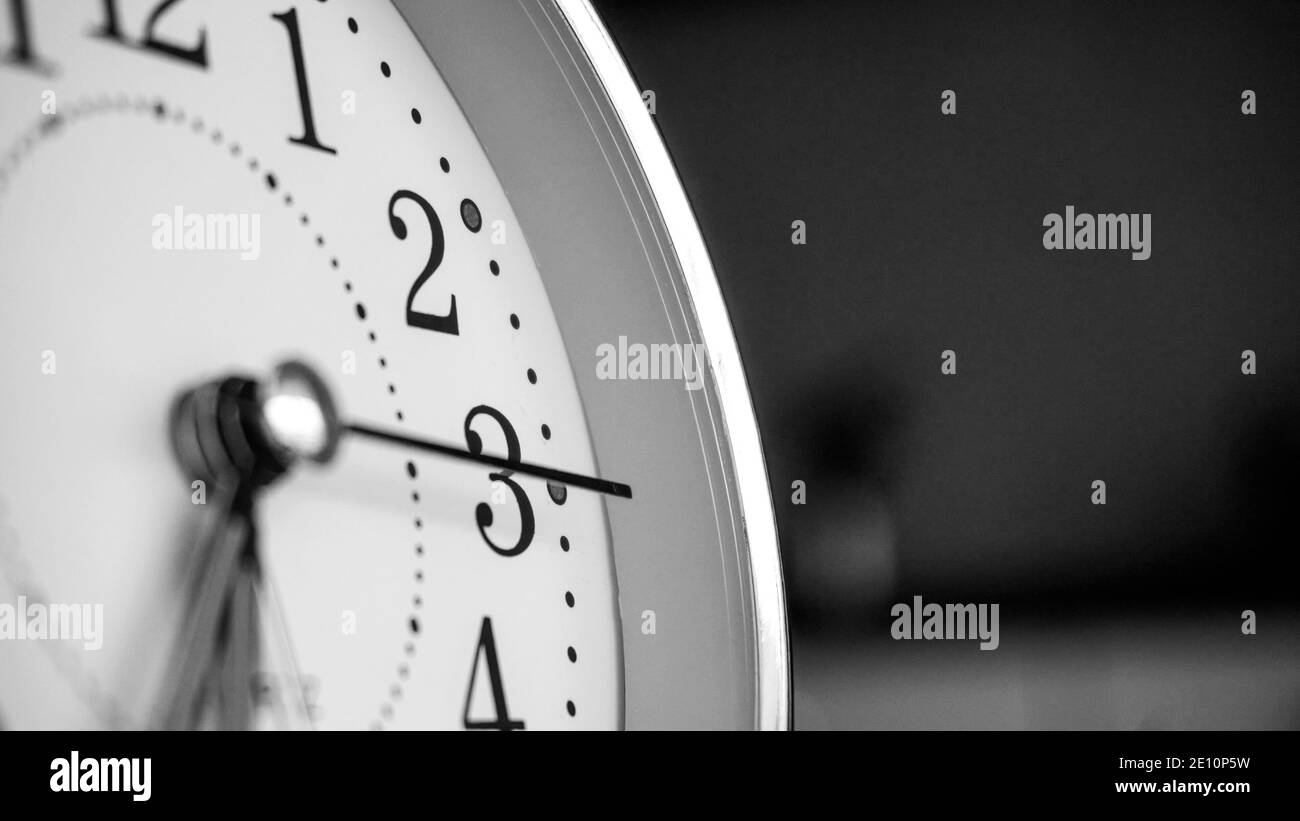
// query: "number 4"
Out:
[487,653]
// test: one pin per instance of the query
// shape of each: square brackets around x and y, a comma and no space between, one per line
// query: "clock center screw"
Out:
[238,429]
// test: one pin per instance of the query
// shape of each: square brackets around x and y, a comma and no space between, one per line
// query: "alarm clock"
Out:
[364,367]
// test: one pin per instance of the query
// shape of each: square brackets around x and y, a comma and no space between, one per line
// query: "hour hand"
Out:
[239,655]
[240,436]
[226,540]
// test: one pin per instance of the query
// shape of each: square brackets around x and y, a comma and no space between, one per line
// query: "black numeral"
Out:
[112,30]
[430,322]
[487,647]
[483,513]
[290,20]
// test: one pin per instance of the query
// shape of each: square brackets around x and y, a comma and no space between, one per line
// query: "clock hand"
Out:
[295,417]
[221,548]
[237,432]
[552,474]
[297,712]
[238,659]
[238,435]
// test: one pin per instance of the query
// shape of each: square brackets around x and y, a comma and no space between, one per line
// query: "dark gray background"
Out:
[925,234]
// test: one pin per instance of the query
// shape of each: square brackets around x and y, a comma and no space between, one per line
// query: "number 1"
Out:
[308,138]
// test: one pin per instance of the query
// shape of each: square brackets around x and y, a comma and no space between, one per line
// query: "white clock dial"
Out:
[385,582]
[198,191]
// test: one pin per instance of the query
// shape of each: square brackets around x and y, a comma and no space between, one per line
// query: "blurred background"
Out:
[924,234]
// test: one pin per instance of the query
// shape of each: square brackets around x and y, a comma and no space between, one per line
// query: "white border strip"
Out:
[772,697]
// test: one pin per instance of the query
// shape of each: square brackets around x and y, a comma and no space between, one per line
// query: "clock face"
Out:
[198,191]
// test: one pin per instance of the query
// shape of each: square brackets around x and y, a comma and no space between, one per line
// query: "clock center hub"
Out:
[237,429]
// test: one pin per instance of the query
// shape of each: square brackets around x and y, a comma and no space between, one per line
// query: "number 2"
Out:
[430,322]
[198,55]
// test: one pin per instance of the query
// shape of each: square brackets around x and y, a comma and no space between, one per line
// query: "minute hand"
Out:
[551,474]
